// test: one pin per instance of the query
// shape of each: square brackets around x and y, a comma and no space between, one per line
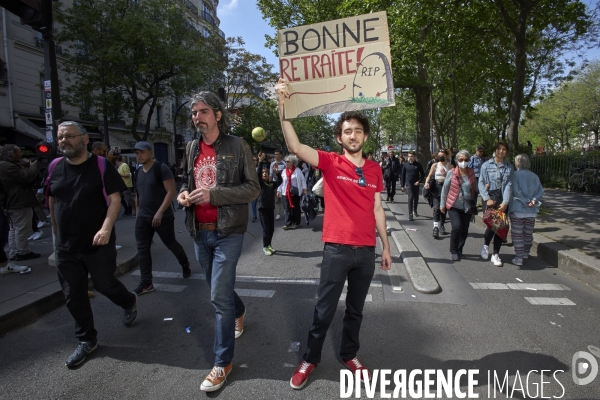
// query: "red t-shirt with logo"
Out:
[349,218]
[205,177]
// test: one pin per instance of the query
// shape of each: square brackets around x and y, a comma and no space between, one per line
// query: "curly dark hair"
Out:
[347,116]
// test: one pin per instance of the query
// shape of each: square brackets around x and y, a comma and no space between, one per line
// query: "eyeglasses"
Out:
[68,137]
[288,160]
[361,177]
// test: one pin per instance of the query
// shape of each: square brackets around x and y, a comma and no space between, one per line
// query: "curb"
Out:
[420,275]
[31,312]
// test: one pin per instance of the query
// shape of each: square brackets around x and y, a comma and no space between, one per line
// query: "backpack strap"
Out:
[102,168]
[51,168]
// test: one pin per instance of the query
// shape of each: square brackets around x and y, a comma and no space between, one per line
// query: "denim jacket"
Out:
[526,186]
[498,177]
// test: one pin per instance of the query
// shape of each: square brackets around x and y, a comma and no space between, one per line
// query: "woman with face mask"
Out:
[459,188]
[439,171]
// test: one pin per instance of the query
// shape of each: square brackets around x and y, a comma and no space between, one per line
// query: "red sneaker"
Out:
[355,365]
[301,375]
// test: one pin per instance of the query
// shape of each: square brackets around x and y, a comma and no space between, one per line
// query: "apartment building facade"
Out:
[22,100]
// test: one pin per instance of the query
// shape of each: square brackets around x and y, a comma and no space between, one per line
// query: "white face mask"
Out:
[462,164]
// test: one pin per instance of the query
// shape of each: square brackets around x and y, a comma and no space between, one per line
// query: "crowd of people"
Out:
[216,181]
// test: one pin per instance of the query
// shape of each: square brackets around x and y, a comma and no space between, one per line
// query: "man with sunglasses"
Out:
[352,190]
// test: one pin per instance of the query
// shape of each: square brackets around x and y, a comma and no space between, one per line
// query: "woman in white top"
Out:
[292,186]
[438,171]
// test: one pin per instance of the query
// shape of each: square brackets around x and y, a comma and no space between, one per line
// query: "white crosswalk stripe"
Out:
[550,301]
[164,287]
[251,279]
[255,293]
[519,286]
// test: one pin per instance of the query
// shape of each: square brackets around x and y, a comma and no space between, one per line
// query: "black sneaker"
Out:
[416,213]
[80,354]
[129,316]
[29,256]
[187,271]
[254,219]
[410,217]
[146,287]
[443,230]
[436,232]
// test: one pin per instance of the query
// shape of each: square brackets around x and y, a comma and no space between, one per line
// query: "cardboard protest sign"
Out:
[337,66]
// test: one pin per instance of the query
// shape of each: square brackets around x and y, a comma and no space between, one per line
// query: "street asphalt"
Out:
[484,318]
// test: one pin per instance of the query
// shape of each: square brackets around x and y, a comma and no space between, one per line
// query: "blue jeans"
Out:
[341,262]
[218,257]
[254,207]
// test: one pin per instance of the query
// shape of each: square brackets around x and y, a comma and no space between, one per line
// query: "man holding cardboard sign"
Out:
[352,190]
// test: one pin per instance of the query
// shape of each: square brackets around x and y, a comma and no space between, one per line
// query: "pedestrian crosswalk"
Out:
[543,301]
[243,292]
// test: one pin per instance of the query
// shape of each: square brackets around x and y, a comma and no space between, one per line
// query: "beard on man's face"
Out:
[72,151]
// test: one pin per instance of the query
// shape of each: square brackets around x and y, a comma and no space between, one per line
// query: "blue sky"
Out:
[243,18]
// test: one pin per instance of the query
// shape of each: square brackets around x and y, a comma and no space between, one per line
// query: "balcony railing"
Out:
[211,20]
[191,7]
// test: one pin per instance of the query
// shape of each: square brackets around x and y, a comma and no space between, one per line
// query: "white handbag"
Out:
[317,189]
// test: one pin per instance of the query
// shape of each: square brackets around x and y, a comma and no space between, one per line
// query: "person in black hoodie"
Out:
[266,201]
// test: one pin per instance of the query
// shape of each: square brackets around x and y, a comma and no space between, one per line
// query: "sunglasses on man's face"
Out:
[361,177]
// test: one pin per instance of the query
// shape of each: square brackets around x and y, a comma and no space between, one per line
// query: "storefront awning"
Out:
[28,128]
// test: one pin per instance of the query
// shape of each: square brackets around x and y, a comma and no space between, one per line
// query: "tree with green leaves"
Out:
[131,54]
[246,74]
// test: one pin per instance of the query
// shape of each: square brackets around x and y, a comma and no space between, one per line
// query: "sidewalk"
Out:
[25,298]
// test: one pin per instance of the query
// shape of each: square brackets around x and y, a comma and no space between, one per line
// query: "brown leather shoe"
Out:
[216,379]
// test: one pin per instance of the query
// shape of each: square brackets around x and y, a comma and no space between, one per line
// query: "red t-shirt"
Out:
[205,177]
[349,218]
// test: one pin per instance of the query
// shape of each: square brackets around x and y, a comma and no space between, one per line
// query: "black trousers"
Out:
[460,221]
[292,215]
[391,188]
[438,216]
[73,269]
[413,197]
[267,220]
[144,232]
[341,262]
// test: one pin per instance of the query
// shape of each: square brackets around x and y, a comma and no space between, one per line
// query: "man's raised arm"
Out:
[303,151]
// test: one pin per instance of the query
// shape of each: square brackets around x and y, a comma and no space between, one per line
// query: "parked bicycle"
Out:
[584,180]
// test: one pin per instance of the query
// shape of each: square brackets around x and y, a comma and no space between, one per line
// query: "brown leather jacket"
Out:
[237,184]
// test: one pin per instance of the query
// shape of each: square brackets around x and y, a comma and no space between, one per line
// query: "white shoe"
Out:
[496,260]
[278,217]
[37,235]
[42,224]
[12,267]
[31,237]
[484,252]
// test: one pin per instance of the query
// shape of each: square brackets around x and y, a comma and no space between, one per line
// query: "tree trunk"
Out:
[520,66]
[423,123]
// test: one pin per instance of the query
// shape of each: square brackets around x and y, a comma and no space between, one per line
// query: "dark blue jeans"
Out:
[341,262]
[218,257]
[144,232]
[73,269]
